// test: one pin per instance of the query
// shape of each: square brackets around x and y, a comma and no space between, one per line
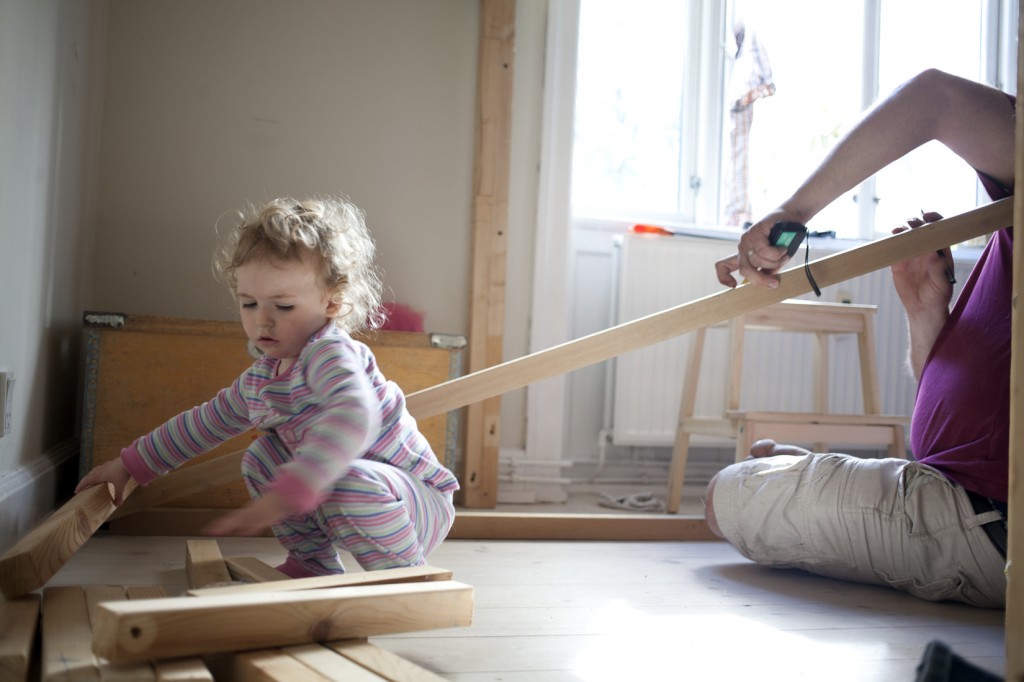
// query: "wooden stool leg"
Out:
[898,446]
[687,406]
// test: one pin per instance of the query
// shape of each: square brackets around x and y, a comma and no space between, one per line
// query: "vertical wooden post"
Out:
[1015,556]
[479,477]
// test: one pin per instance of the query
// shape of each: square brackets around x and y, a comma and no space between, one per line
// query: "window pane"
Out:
[629,92]
[917,35]
[815,51]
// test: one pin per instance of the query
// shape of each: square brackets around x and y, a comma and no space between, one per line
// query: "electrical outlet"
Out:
[6,401]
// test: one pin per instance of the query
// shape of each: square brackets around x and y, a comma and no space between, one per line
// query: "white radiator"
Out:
[655,273]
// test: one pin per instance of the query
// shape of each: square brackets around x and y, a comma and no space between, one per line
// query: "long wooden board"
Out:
[188,626]
[707,311]
[1015,551]
[703,312]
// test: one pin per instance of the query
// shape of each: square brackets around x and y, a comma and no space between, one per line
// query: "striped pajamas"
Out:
[339,447]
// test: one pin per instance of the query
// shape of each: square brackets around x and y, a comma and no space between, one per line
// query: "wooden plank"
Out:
[491,169]
[138,671]
[204,564]
[387,665]
[188,626]
[707,311]
[36,557]
[1015,551]
[192,480]
[324,660]
[19,622]
[475,525]
[268,665]
[66,636]
[409,574]
[703,312]
[328,663]
[171,669]
[252,570]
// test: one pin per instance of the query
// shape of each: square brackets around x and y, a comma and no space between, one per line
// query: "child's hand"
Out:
[113,472]
[252,519]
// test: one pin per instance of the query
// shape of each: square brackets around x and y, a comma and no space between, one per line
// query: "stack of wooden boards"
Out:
[240,620]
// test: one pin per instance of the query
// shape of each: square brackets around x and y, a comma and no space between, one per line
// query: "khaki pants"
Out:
[878,521]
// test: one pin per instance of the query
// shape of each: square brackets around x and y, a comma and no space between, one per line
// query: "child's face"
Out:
[282,304]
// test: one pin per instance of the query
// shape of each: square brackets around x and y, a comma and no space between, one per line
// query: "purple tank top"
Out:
[961,422]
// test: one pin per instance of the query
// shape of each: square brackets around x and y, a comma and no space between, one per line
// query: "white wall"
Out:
[50,63]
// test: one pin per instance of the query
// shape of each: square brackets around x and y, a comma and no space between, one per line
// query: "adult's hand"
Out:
[755,259]
[923,282]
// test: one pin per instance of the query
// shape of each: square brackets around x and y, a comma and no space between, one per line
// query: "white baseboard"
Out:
[29,493]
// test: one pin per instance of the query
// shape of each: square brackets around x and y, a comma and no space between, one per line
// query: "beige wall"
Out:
[129,127]
[210,105]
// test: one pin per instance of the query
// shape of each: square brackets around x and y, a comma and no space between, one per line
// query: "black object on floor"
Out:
[940,664]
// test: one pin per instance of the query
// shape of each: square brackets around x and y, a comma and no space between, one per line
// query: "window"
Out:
[656,123]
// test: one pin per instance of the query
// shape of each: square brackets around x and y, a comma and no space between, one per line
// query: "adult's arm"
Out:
[974,120]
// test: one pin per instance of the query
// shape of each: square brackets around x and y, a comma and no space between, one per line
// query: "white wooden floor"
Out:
[549,611]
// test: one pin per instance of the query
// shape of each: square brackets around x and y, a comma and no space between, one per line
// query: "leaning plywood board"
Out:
[142,370]
[187,626]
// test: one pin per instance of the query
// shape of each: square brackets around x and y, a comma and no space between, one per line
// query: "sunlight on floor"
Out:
[707,647]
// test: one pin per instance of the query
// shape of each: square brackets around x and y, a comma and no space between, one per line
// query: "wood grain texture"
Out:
[478,524]
[491,168]
[411,574]
[36,557]
[387,665]
[188,626]
[1015,552]
[66,636]
[707,311]
[253,570]
[204,564]
[172,669]
[19,622]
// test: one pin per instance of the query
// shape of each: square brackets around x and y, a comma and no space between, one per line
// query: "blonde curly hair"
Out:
[331,229]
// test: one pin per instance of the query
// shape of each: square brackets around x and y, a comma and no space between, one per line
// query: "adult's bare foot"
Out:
[766,447]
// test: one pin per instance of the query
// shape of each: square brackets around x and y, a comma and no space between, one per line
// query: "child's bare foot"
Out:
[766,447]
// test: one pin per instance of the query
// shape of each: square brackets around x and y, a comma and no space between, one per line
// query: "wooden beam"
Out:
[252,570]
[388,665]
[189,626]
[177,669]
[192,480]
[707,311]
[135,671]
[37,556]
[411,574]
[332,666]
[491,170]
[1015,552]
[19,619]
[472,525]
[204,564]
[66,634]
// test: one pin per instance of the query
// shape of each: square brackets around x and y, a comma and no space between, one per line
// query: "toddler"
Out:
[342,464]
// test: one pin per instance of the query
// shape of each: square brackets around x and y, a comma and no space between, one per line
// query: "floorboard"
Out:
[548,611]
